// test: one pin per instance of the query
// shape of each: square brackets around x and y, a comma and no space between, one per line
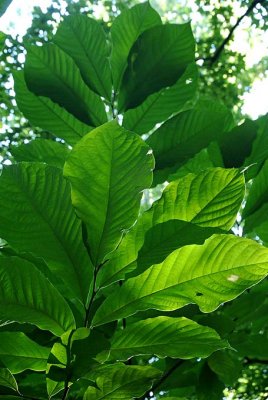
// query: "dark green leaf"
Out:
[158,58]
[4,4]
[27,296]
[85,41]
[19,353]
[37,216]
[7,379]
[47,151]
[52,73]
[125,30]
[165,337]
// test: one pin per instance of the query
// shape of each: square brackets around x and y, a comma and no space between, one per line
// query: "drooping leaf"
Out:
[19,353]
[207,275]
[161,105]
[125,30]
[42,112]
[158,58]
[52,73]
[108,169]
[121,381]
[165,337]
[7,379]
[84,39]
[37,216]
[42,150]
[56,369]
[209,199]
[184,135]
[27,296]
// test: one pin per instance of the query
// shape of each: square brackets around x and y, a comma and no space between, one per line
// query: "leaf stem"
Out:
[68,374]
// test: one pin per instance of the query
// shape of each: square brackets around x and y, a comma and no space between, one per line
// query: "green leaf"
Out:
[165,337]
[209,199]
[234,155]
[27,296]
[7,379]
[42,112]
[207,275]
[125,30]
[42,150]
[4,4]
[121,382]
[37,217]
[251,346]
[226,366]
[184,135]
[162,239]
[52,73]
[258,196]
[85,41]
[158,58]
[108,169]
[56,369]
[19,353]
[209,386]
[161,105]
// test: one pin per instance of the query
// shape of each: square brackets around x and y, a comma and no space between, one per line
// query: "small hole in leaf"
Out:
[198,294]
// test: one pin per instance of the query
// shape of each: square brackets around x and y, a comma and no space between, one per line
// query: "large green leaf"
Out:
[161,105]
[85,41]
[37,216]
[19,353]
[207,275]
[125,30]
[165,337]
[184,135]
[42,150]
[108,169]
[42,112]
[209,199]
[226,366]
[162,239]
[27,296]
[52,73]
[158,58]
[121,382]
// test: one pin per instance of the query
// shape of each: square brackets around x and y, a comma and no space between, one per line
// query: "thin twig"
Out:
[161,380]
[220,49]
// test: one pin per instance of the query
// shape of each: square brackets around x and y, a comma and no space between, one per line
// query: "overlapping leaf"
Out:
[161,105]
[7,379]
[121,382]
[209,199]
[84,39]
[184,135]
[37,216]
[42,112]
[108,169]
[165,337]
[27,296]
[42,150]
[19,353]
[207,275]
[125,30]
[158,58]
[52,73]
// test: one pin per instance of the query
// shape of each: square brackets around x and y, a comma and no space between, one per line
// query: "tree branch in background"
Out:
[161,380]
[220,49]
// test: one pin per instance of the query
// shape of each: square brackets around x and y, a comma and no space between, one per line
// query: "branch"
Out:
[220,49]
[161,380]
